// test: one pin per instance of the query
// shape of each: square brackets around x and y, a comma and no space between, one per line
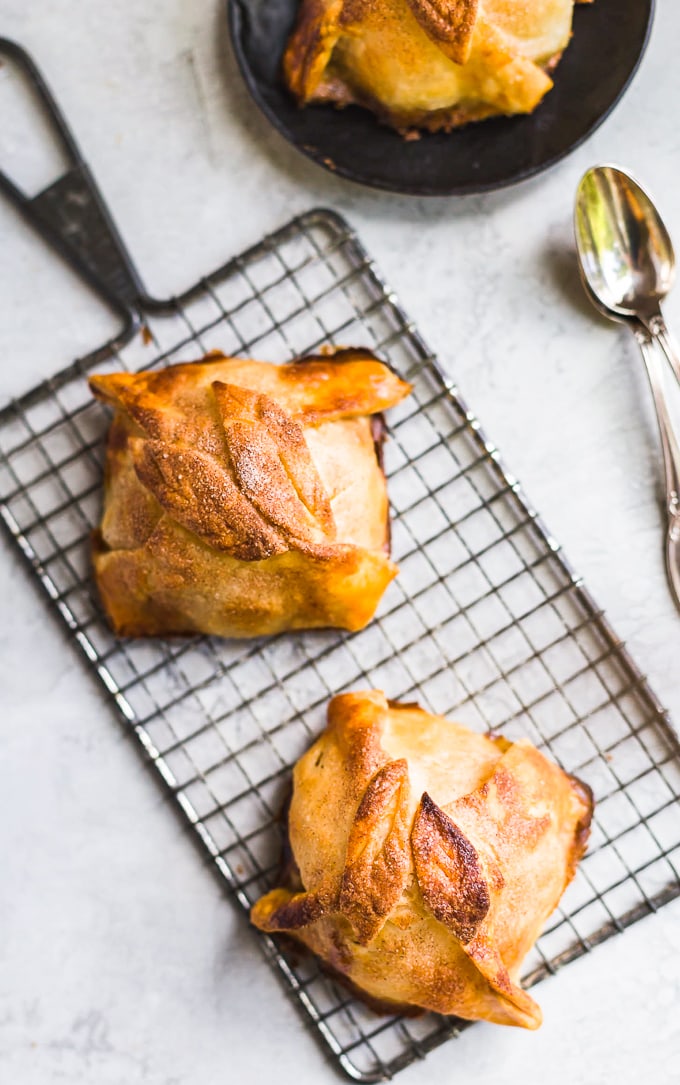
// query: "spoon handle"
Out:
[659,330]
[670,449]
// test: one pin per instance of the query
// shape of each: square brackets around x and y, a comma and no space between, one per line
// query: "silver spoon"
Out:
[627,265]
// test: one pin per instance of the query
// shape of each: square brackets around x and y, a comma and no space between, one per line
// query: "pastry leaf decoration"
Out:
[244,482]
[377,859]
[450,22]
[200,494]
[271,462]
[449,871]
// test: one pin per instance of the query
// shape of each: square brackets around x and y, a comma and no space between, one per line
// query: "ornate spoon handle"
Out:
[659,330]
[669,446]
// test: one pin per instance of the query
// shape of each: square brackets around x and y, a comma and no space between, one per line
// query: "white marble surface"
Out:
[120,961]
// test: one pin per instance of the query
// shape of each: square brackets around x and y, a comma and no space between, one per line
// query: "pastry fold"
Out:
[244,498]
[433,64]
[426,858]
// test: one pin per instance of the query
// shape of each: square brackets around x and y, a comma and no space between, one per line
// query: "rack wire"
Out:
[486,622]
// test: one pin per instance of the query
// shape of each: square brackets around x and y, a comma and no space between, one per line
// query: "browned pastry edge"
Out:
[337,93]
[585,791]
[410,125]
[120,390]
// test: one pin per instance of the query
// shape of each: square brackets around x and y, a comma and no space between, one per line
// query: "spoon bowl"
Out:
[625,252]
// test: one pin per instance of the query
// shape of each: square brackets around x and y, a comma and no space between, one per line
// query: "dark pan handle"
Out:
[70,213]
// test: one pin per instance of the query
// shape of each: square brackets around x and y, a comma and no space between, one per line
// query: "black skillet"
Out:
[607,46]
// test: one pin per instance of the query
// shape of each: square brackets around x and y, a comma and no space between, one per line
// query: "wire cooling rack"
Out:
[486,621]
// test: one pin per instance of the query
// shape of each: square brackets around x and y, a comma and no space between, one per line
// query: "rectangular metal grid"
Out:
[486,622]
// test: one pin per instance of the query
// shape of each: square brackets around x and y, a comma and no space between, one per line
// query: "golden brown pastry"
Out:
[244,498]
[432,64]
[426,858]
